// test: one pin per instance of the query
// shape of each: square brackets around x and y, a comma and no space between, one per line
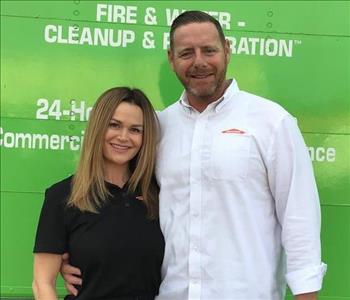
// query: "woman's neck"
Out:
[117,175]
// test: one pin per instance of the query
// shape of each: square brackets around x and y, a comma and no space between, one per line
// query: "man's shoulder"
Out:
[166,112]
[264,106]
[170,108]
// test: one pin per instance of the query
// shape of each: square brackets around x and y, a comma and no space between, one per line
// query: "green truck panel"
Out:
[58,56]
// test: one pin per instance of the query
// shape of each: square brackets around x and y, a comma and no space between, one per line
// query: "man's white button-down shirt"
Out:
[239,207]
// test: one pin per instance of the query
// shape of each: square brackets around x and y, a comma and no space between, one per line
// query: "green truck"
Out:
[58,56]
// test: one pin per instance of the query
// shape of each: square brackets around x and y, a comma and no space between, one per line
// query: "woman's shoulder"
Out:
[60,189]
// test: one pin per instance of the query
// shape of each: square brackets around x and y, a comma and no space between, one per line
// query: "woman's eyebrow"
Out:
[132,125]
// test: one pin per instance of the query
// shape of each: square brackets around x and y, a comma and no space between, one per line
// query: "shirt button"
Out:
[195,215]
[127,204]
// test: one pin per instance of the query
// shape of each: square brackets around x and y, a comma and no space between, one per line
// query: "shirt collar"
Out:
[218,104]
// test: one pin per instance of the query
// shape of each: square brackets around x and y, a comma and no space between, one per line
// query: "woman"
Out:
[106,215]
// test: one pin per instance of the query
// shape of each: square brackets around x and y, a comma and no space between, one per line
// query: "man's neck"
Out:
[201,103]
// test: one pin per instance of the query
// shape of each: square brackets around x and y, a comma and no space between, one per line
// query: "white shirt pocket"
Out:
[230,156]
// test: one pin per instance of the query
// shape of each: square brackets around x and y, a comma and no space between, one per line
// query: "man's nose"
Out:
[199,59]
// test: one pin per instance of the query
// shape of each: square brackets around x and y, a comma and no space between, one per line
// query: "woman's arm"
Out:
[46,268]
[307,296]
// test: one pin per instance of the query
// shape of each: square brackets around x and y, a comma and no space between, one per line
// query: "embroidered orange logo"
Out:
[234,130]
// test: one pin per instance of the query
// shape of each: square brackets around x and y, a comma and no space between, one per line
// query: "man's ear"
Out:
[171,58]
[227,48]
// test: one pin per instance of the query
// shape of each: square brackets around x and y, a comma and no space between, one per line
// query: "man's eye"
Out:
[210,51]
[185,54]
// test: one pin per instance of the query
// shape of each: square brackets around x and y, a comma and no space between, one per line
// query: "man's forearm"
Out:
[307,296]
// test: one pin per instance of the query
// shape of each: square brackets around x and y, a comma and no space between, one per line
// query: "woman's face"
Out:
[123,138]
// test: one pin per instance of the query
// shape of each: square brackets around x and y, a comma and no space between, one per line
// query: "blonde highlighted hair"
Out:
[89,191]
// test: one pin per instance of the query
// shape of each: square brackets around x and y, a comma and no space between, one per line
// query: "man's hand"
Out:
[70,274]
[307,296]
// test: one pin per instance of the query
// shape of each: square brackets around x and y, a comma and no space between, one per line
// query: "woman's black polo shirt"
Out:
[119,251]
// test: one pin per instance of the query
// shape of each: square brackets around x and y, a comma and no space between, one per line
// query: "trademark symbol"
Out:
[297,42]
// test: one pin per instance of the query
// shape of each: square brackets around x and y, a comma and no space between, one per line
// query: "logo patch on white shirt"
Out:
[233,130]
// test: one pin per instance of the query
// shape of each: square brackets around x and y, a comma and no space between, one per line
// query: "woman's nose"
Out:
[123,134]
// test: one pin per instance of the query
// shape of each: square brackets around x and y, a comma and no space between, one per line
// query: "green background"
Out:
[313,85]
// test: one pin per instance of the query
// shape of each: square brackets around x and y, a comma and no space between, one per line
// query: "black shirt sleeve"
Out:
[51,235]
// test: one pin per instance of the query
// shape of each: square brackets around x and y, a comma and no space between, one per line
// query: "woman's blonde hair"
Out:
[89,191]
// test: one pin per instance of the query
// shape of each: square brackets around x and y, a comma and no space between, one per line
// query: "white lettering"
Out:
[40,141]
[9,140]
[64,139]
[284,48]
[91,36]
[60,38]
[271,47]
[128,37]
[100,11]
[54,142]
[243,46]
[101,37]
[166,40]
[254,42]
[49,38]
[116,13]
[76,146]
[262,47]
[224,18]
[321,154]
[172,14]
[86,36]
[41,138]
[330,154]
[73,35]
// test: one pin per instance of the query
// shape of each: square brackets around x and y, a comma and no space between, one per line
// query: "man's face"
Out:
[199,60]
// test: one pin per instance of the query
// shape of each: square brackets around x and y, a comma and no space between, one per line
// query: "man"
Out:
[239,208]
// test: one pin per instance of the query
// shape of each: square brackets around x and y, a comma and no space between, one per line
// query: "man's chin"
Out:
[202,93]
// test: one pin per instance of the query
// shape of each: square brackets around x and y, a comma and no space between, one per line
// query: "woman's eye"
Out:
[114,125]
[136,130]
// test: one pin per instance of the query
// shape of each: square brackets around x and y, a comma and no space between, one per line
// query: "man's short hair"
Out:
[194,16]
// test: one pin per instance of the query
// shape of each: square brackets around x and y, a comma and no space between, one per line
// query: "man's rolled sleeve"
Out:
[306,280]
[297,204]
